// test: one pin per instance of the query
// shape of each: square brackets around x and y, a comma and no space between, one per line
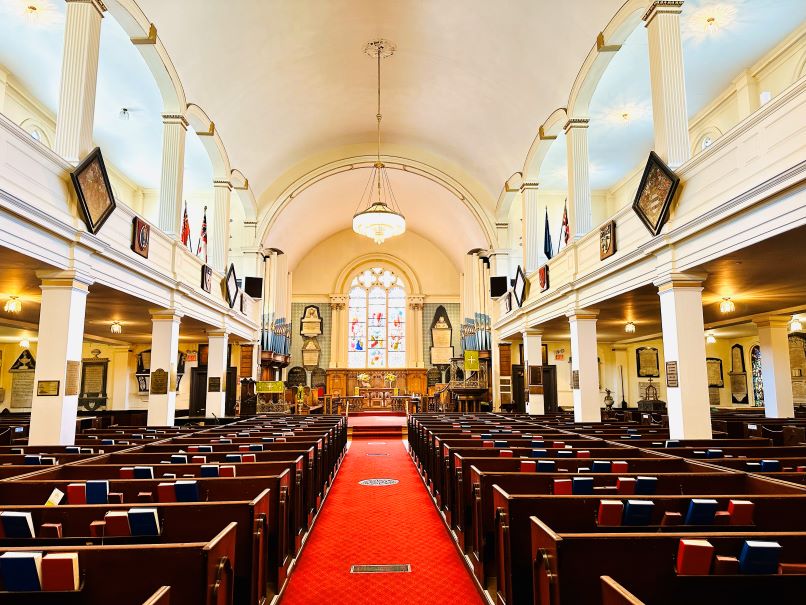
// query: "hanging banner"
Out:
[471,361]
[269,386]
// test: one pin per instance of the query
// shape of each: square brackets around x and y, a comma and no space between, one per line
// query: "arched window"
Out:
[377,320]
[758,383]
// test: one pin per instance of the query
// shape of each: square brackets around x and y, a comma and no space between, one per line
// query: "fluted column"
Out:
[218,228]
[338,329]
[173,171]
[532,227]
[579,187]
[82,41]
[667,76]
[415,323]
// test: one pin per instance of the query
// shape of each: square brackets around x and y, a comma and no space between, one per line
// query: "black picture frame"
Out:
[231,286]
[519,287]
[95,196]
[655,194]
[206,278]
[644,371]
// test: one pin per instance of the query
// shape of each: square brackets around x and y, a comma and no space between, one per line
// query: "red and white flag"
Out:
[565,231]
[203,237]
[186,228]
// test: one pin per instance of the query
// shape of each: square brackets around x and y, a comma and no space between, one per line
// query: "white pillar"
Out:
[684,344]
[585,365]
[61,335]
[174,131]
[622,375]
[580,219]
[121,375]
[533,352]
[532,227]
[256,360]
[414,345]
[82,41]
[217,363]
[667,75]
[219,226]
[164,354]
[338,329]
[776,374]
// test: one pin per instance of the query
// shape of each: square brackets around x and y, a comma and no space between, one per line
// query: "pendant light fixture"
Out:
[382,218]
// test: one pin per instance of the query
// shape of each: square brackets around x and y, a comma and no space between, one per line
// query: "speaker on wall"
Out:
[253,286]
[498,286]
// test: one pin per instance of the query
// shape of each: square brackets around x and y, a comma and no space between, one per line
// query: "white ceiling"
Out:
[328,206]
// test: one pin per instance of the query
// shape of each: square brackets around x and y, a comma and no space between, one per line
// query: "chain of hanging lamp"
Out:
[378,221]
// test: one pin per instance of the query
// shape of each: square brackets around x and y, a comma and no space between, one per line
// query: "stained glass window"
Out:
[758,383]
[377,320]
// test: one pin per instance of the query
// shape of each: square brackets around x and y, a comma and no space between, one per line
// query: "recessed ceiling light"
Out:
[727,306]
[13,305]
[710,338]
[24,343]
[711,25]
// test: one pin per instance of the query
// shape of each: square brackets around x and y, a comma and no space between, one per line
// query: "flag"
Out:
[565,232]
[186,228]
[548,250]
[203,237]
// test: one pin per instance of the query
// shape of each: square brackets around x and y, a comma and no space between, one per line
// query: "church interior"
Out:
[468,302]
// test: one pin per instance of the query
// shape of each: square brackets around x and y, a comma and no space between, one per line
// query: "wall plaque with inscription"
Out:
[47,388]
[159,382]
[214,384]
[92,395]
[714,366]
[72,378]
[672,379]
[575,379]
[738,387]
[22,388]
[647,361]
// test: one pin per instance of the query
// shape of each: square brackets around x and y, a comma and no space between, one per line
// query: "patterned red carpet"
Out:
[379,525]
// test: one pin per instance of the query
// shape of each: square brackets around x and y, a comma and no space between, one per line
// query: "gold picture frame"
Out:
[653,199]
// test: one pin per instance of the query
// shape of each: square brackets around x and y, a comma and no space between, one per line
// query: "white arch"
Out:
[204,127]
[393,162]
[400,267]
[240,185]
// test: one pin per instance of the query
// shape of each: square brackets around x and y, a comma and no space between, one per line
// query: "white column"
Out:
[121,376]
[533,352]
[532,227]
[585,364]
[173,170]
[580,218]
[256,360]
[414,345]
[164,353]
[338,323]
[688,404]
[622,375]
[217,362]
[82,41]
[61,335]
[667,76]
[219,226]
[776,374]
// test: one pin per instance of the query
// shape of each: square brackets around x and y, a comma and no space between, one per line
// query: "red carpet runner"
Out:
[379,525]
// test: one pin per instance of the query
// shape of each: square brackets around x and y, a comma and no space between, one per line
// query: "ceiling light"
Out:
[116,327]
[24,343]
[727,306]
[124,114]
[13,305]
[629,327]
[710,338]
[711,25]
[795,325]
[38,13]
[382,218]
[625,116]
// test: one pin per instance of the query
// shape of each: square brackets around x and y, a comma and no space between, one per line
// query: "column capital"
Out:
[668,7]
[575,123]
[772,321]
[533,332]
[175,119]
[223,184]
[217,333]
[674,280]
[581,314]
[415,302]
[338,301]
[166,314]
[529,186]
[69,278]
[96,4]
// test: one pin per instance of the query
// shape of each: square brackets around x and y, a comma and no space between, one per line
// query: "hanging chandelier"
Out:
[382,218]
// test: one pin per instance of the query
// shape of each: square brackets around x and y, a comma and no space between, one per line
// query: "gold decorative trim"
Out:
[151,38]
[541,133]
[244,187]
[533,185]
[175,118]
[601,47]
[226,184]
[208,133]
[664,6]
[575,123]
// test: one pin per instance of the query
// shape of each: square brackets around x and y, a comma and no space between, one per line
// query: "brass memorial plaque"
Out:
[47,388]
[214,384]
[575,379]
[671,374]
[159,382]
[72,379]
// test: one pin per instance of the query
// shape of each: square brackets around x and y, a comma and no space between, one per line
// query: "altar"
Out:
[378,390]
[376,398]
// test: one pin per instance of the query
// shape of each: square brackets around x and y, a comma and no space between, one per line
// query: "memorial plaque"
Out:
[297,377]
[310,322]
[433,376]
[159,382]
[22,388]
[47,388]
[94,378]
[441,355]
[713,396]
[738,387]
[647,361]
[799,391]
[214,384]
[737,359]
[672,379]
[318,377]
[72,378]
[575,379]
[714,366]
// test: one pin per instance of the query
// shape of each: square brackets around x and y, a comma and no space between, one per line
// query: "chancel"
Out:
[346,301]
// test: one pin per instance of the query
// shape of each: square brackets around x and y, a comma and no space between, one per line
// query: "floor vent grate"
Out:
[380,568]
[376,454]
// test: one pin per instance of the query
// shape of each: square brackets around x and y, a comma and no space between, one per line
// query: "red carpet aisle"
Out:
[379,525]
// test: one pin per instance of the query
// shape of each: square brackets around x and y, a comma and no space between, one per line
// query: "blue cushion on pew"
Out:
[545,466]
[539,454]
[770,466]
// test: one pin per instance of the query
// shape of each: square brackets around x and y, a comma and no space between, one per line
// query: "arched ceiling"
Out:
[470,81]
[327,207]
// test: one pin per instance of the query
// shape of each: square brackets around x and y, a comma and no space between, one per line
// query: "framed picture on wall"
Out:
[519,287]
[141,235]
[646,360]
[231,286]
[95,197]
[655,194]
[714,365]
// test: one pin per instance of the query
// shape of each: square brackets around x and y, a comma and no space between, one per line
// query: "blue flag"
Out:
[547,247]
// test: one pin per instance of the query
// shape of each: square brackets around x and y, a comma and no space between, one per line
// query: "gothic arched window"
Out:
[376,329]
